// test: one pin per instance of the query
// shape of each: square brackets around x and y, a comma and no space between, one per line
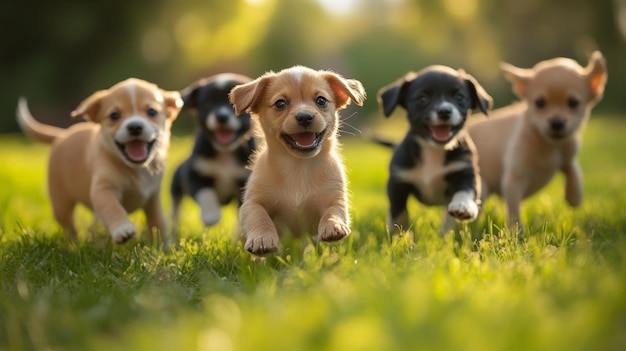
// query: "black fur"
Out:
[205,97]
[434,91]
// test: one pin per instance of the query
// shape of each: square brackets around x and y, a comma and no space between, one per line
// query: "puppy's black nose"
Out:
[222,117]
[557,124]
[304,118]
[444,113]
[134,129]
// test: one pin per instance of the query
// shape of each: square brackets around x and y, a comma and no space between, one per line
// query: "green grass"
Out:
[561,287]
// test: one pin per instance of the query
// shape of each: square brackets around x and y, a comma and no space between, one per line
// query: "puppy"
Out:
[216,171]
[436,161]
[114,163]
[523,147]
[298,181]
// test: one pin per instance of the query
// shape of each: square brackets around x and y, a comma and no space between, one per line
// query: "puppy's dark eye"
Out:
[152,112]
[572,103]
[459,97]
[114,116]
[540,103]
[321,101]
[423,99]
[280,105]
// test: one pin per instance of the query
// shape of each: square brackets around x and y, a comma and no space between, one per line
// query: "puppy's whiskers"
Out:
[343,122]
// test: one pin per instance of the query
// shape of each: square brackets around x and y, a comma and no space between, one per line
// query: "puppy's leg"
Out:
[209,204]
[62,206]
[156,220]
[333,225]
[107,207]
[512,192]
[63,209]
[260,232]
[463,205]
[177,193]
[573,183]
[398,194]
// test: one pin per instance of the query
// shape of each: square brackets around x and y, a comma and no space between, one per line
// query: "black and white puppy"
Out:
[217,170]
[436,161]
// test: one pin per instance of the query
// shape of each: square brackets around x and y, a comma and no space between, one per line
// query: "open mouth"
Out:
[442,133]
[305,141]
[225,136]
[136,151]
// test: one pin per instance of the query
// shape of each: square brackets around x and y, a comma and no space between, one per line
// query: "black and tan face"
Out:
[298,107]
[208,98]
[135,118]
[437,100]
[559,93]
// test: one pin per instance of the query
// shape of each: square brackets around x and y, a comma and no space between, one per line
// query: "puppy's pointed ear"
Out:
[245,97]
[480,99]
[173,103]
[89,109]
[597,75]
[393,94]
[519,78]
[345,90]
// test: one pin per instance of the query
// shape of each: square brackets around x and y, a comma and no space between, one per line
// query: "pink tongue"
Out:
[224,136]
[305,139]
[136,150]
[441,133]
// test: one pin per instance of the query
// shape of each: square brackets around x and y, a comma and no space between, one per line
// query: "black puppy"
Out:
[436,162]
[216,171]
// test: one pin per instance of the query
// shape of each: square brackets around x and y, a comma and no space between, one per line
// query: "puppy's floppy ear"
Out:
[597,75]
[394,94]
[245,97]
[90,107]
[173,103]
[345,90]
[190,94]
[519,77]
[480,98]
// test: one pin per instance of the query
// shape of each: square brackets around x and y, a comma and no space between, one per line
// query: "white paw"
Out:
[211,218]
[463,207]
[123,233]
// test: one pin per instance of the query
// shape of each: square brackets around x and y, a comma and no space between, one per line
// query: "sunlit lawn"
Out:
[562,287]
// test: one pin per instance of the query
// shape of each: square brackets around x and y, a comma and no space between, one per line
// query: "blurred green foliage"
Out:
[57,53]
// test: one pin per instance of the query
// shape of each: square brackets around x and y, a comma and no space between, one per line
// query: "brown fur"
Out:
[519,148]
[302,191]
[87,166]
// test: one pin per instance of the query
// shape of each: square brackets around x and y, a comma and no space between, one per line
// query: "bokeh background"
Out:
[56,53]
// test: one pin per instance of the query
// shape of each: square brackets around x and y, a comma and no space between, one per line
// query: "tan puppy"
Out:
[114,163]
[522,146]
[298,181]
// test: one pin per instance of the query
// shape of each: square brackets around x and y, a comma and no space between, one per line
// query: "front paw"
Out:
[211,218]
[463,210]
[333,230]
[260,245]
[122,233]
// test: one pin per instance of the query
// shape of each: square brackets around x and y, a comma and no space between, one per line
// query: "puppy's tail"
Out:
[369,135]
[34,129]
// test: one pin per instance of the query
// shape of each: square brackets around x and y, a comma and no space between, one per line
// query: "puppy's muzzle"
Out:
[136,149]
[306,141]
[304,118]
[444,113]
[557,127]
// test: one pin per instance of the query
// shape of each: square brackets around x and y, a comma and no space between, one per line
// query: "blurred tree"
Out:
[58,53]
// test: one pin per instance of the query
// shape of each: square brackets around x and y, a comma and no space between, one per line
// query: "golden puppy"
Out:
[114,163]
[298,181]
[522,146]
